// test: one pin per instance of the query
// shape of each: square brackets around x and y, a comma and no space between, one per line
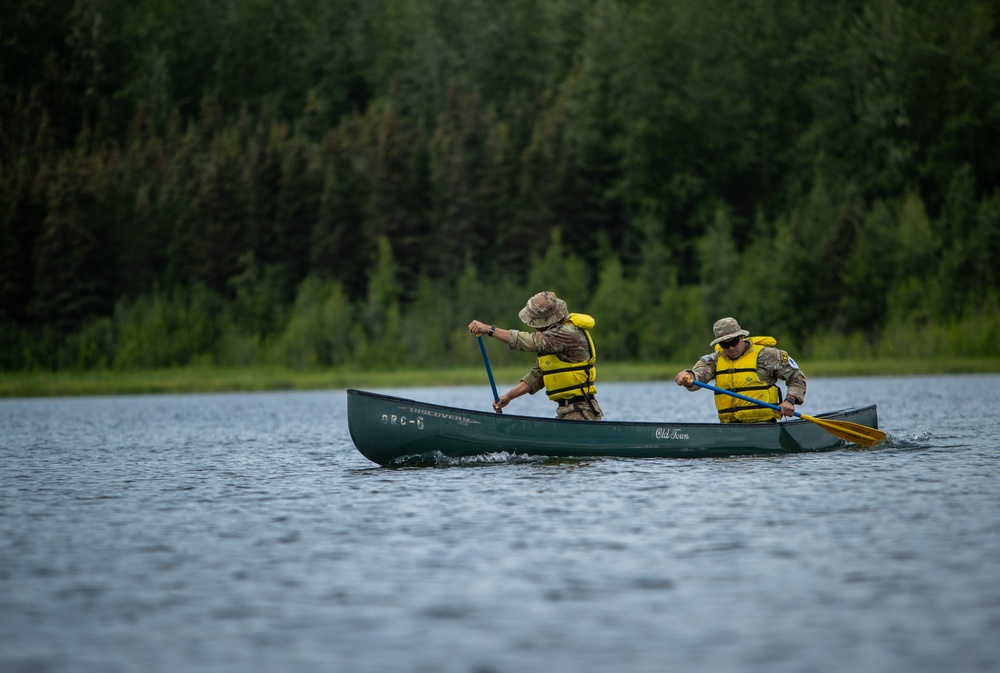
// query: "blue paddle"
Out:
[849,432]
[489,371]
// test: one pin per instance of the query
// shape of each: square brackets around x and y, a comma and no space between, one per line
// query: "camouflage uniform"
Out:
[570,343]
[548,314]
[772,363]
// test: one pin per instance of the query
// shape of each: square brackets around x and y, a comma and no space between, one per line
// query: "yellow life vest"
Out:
[564,380]
[740,376]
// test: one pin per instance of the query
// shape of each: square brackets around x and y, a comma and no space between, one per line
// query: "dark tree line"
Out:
[322,182]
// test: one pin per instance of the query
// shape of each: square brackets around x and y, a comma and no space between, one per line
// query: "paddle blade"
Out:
[854,433]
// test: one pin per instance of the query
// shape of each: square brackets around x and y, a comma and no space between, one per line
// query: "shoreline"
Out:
[218,380]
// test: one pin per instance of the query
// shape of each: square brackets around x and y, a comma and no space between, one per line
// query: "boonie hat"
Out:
[726,329]
[543,310]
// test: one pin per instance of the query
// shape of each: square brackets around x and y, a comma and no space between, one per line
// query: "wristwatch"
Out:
[492,329]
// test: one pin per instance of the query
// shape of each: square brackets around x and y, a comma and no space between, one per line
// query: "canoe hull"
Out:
[394,430]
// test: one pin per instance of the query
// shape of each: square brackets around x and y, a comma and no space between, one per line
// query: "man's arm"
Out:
[774,364]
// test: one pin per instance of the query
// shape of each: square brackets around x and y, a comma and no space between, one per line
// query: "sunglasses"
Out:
[730,343]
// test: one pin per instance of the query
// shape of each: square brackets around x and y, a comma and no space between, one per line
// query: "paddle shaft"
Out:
[489,370]
[742,397]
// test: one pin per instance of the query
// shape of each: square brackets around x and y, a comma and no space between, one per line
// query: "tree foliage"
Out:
[322,182]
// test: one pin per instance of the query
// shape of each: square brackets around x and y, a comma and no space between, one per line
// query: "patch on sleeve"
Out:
[707,358]
[786,360]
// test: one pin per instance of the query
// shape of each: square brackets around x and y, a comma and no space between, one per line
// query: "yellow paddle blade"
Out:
[849,432]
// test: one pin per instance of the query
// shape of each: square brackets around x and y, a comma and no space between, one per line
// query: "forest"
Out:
[327,183]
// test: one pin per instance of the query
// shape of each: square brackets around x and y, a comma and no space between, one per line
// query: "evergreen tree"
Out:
[319,327]
[394,202]
[718,268]
[870,270]
[561,272]
[339,249]
[381,319]
[460,229]
[913,288]
[73,276]
[617,312]
[214,238]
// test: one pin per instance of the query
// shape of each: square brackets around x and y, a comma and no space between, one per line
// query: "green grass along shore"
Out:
[205,380]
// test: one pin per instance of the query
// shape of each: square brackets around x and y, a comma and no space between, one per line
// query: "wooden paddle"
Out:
[849,432]
[489,371]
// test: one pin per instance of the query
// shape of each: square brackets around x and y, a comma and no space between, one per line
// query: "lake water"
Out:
[244,532]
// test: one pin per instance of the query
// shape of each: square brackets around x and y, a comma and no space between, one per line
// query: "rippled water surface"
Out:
[246,533]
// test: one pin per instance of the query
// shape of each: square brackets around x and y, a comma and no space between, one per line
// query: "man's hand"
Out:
[501,403]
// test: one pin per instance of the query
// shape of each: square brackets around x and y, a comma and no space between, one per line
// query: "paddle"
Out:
[849,432]
[489,371]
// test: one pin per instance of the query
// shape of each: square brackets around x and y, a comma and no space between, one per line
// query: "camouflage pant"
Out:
[580,411]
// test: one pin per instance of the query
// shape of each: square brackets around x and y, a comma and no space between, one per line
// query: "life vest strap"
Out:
[574,400]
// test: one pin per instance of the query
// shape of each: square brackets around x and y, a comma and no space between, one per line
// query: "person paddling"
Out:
[750,366]
[565,360]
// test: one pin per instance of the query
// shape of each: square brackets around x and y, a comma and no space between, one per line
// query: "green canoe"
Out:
[396,431]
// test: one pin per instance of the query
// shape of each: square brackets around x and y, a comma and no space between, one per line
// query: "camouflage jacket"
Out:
[566,340]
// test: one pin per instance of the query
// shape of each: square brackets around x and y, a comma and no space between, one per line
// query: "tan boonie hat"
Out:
[542,310]
[726,329]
